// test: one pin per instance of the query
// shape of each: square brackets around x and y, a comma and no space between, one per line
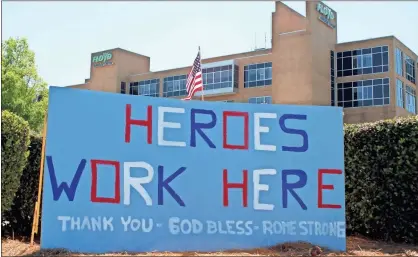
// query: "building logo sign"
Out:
[103,59]
[327,15]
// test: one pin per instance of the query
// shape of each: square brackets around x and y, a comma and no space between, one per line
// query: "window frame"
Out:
[399,62]
[410,63]
[145,86]
[265,68]
[364,90]
[180,80]
[357,57]
[400,102]
[214,72]
[410,106]
[259,97]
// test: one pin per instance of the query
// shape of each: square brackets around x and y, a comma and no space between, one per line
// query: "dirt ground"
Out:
[356,246]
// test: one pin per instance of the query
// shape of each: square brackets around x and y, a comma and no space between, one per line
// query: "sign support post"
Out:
[35,223]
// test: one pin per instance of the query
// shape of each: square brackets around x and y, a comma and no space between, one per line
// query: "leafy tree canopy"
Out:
[23,91]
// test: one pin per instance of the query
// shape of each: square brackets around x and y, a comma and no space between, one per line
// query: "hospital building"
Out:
[372,79]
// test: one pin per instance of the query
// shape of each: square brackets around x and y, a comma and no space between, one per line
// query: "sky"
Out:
[64,34]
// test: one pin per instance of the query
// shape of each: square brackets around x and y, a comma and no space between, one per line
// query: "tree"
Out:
[23,91]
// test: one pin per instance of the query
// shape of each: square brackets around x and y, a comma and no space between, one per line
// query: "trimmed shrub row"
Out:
[381,166]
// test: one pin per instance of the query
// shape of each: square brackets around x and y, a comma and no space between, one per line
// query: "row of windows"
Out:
[220,77]
[260,100]
[174,86]
[372,92]
[149,87]
[254,100]
[213,78]
[363,61]
[258,75]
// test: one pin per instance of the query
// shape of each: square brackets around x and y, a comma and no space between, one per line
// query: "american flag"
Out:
[194,79]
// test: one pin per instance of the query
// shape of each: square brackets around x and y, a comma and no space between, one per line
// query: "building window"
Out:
[332,79]
[260,100]
[123,88]
[175,86]
[399,93]
[372,92]
[218,77]
[409,69]
[257,75]
[411,99]
[399,62]
[213,78]
[363,61]
[228,101]
[145,88]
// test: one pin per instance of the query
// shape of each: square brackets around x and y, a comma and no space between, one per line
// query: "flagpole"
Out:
[203,86]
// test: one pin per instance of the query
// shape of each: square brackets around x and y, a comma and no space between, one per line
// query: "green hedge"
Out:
[14,146]
[381,166]
[21,214]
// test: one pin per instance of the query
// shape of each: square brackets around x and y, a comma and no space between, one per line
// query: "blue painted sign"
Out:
[129,173]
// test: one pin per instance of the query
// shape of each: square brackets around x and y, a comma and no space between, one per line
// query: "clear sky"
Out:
[64,34]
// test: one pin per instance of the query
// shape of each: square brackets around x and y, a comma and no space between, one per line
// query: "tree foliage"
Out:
[20,217]
[23,91]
